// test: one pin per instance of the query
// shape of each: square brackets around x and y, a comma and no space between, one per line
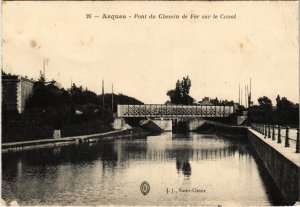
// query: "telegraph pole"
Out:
[112,97]
[239,94]
[245,98]
[250,93]
[45,62]
[103,94]
[241,97]
[44,68]
[102,101]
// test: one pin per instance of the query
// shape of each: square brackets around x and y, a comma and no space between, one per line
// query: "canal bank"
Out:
[45,143]
[282,164]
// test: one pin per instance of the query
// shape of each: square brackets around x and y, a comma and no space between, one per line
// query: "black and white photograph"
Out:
[150,103]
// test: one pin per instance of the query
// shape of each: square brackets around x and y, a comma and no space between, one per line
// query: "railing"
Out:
[173,111]
[277,133]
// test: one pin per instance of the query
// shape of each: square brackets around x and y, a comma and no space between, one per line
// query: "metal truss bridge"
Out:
[173,111]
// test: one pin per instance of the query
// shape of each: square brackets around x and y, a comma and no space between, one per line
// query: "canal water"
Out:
[181,169]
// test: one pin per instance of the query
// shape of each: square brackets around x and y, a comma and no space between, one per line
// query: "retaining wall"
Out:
[283,170]
[44,143]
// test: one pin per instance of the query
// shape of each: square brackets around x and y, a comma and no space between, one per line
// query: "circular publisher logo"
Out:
[145,188]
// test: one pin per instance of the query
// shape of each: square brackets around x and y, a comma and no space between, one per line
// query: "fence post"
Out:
[287,143]
[259,127]
[273,133]
[265,131]
[279,135]
[297,142]
[269,132]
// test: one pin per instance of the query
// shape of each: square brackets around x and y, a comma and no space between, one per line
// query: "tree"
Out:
[2,72]
[118,99]
[286,112]
[45,95]
[277,101]
[264,102]
[41,78]
[180,95]
[215,101]
[186,84]
[283,103]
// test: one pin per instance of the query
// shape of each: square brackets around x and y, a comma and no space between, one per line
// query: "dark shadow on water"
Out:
[271,189]
[182,162]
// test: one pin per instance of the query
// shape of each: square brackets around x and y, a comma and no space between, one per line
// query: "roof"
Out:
[205,103]
[16,78]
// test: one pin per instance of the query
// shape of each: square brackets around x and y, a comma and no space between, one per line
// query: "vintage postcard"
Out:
[150,103]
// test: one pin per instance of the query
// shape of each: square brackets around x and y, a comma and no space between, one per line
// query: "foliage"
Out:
[81,96]
[117,99]
[39,125]
[75,111]
[180,95]
[283,104]
[3,72]
[218,102]
[46,95]
[265,103]
[285,113]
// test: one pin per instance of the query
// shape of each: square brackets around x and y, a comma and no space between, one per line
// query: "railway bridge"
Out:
[173,111]
[161,117]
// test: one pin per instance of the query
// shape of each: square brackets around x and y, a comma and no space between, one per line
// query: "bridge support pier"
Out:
[193,124]
[118,124]
[157,125]
[165,125]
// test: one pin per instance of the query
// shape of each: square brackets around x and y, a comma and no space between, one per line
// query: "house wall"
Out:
[15,92]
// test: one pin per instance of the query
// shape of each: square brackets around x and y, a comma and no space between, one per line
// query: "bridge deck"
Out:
[173,111]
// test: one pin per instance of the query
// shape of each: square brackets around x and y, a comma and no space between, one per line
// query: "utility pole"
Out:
[245,98]
[45,62]
[102,101]
[44,68]
[248,96]
[250,93]
[239,94]
[112,97]
[241,97]
[103,94]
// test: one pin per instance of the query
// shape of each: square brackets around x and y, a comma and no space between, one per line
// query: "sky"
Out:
[144,58]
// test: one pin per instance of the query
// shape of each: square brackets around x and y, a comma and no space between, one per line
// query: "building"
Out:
[205,102]
[15,92]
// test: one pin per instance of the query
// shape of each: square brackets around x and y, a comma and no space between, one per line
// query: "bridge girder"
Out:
[173,111]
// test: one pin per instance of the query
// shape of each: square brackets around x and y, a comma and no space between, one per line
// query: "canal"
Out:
[181,169]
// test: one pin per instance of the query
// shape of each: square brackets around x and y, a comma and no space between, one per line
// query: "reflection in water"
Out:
[110,172]
[56,152]
[184,166]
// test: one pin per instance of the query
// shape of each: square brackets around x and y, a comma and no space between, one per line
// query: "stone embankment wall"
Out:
[43,143]
[280,165]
